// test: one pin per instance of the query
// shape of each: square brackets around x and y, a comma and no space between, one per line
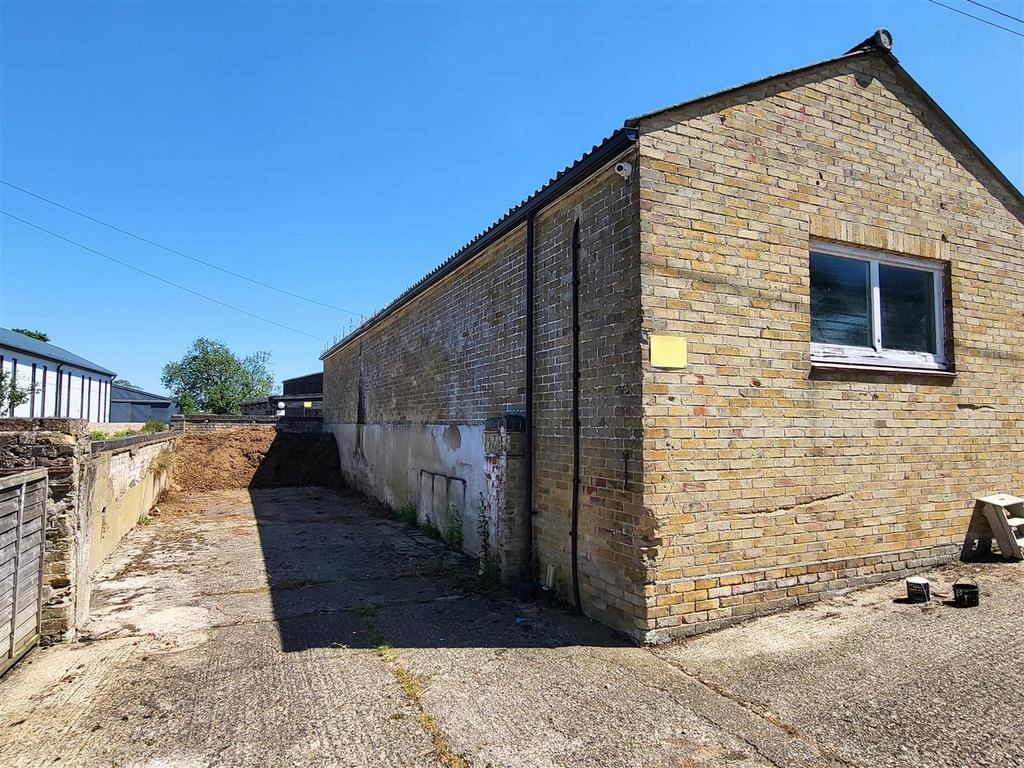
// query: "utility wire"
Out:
[176,252]
[987,8]
[157,277]
[977,18]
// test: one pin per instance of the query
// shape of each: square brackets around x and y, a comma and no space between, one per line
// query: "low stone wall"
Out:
[59,445]
[121,482]
[300,424]
[97,493]
[207,423]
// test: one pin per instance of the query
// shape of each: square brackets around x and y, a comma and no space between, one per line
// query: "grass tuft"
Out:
[412,688]
[406,513]
[453,528]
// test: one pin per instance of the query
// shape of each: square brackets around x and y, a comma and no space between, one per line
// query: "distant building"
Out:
[300,396]
[60,382]
[135,405]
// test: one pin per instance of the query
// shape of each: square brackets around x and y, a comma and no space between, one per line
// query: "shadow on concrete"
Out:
[343,573]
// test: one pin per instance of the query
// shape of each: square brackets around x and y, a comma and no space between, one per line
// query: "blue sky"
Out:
[342,150]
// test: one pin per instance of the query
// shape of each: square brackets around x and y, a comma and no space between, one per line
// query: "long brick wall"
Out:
[748,480]
[771,483]
[413,395]
[610,500]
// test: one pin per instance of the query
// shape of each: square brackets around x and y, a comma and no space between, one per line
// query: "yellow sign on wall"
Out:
[668,351]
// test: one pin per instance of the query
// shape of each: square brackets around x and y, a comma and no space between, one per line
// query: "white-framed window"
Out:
[875,308]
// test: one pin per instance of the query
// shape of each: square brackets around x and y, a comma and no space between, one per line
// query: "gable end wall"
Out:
[772,484]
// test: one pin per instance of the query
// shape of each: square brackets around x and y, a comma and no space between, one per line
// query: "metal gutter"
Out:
[565,180]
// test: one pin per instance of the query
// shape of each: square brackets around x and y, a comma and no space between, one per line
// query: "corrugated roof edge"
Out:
[14,340]
[627,135]
[560,183]
[152,395]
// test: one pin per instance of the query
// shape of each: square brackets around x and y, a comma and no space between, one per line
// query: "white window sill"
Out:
[881,367]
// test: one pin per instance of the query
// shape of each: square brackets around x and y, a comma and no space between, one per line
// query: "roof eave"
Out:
[91,368]
[614,145]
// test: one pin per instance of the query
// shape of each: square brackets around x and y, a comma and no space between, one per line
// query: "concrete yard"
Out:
[301,628]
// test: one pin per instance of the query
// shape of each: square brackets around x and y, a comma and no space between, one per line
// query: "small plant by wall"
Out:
[163,461]
[453,528]
[487,564]
[406,513]
[432,530]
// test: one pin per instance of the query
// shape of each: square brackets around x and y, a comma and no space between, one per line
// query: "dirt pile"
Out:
[253,457]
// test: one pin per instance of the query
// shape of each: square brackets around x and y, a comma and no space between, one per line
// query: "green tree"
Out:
[210,378]
[123,383]
[37,335]
[12,395]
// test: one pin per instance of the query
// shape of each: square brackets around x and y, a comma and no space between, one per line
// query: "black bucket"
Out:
[965,593]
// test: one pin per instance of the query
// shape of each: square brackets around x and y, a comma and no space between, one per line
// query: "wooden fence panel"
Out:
[22,541]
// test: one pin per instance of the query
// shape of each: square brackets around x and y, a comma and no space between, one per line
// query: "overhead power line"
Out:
[176,252]
[977,18]
[161,279]
[988,8]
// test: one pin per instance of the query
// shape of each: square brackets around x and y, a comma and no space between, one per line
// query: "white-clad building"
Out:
[61,382]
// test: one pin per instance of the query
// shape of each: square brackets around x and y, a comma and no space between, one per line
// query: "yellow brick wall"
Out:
[768,483]
[611,528]
[452,355]
[455,355]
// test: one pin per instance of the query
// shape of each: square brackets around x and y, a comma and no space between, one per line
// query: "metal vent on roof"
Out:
[881,39]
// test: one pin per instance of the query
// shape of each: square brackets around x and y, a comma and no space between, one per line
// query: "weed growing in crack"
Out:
[406,513]
[432,530]
[412,688]
[453,528]
[163,461]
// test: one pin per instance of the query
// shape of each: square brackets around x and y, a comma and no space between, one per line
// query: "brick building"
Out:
[752,348]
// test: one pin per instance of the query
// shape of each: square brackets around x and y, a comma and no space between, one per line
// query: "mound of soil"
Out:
[253,457]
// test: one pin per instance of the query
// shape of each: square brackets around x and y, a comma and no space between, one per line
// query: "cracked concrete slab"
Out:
[298,627]
[884,682]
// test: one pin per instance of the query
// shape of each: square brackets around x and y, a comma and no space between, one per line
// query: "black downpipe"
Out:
[575,530]
[528,432]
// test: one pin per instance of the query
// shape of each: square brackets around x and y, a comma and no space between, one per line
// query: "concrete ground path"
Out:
[298,627]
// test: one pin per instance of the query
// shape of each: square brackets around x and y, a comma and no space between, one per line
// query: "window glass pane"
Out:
[840,290]
[908,308]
